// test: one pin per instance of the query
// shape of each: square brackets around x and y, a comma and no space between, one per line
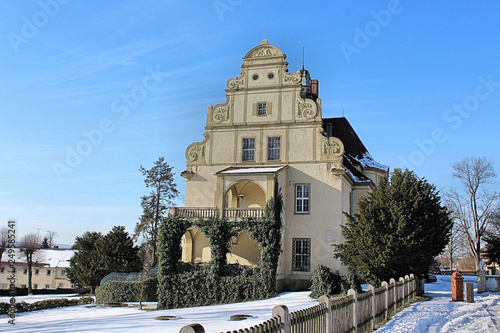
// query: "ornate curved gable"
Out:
[264,50]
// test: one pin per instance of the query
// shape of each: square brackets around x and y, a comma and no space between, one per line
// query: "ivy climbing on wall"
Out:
[181,285]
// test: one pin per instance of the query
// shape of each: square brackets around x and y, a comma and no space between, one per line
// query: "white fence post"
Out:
[386,293]
[354,294]
[393,282]
[402,280]
[328,303]
[371,289]
[412,286]
[282,312]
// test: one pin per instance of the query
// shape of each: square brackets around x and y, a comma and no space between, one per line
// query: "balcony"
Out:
[204,212]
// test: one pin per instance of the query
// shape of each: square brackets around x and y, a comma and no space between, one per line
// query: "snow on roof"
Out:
[367,161]
[251,170]
[50,258]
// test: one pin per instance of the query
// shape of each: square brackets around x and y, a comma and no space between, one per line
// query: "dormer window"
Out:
[261,109]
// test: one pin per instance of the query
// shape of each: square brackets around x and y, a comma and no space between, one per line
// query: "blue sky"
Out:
[91,90]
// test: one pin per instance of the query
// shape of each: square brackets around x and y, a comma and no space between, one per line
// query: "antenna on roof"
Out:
[303,56]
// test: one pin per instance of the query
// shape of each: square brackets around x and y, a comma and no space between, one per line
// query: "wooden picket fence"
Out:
[355,312]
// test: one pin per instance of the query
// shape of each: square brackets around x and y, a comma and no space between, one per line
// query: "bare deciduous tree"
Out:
[28,245]
[51,236]
[4,240]
[455,245]
[494,229]
[473,207]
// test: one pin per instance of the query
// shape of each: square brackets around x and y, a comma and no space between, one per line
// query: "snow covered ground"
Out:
[436,315]
[443,316]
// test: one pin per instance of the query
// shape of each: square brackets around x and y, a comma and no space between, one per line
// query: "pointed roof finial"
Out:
[264,42]
[303,57]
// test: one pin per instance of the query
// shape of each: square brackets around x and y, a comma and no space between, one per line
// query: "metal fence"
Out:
[356,312]
[131,277]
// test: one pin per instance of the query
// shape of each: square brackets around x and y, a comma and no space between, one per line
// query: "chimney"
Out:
[315,87]
[329,130]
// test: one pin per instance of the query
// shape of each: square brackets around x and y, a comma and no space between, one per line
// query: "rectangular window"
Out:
[37,271]
[48,272]
[301,254]
[63,272]
[25,271]
[35,286]
[302,199]
[261,109]
[273,148]
[2,270]
[248,149]
[60,285]
[24,286]
[47,286]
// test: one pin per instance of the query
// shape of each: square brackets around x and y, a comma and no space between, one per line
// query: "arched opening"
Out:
[244,251]
[195,247]
[245,194]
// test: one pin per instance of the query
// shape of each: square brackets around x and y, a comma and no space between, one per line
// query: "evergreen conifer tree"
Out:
[399,229]
[87,264]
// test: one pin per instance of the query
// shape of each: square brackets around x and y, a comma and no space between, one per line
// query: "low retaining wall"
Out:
[487,283]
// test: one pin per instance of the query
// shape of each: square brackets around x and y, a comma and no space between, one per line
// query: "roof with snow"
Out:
[49,258]
[356,156]
[251,170]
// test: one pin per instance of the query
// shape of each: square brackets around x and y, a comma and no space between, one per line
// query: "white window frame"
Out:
[248,149]
[302,198]
[273,148]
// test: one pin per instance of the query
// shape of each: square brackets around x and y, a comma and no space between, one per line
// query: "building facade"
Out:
[271,126]
[48,270]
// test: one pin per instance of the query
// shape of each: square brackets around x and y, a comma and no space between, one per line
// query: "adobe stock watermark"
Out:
[223,6]
[120,108]
[454,117]
[363,36]
[32,25]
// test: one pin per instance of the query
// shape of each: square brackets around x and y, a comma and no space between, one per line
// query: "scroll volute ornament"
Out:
[236,83]
[195,153]
[306,109]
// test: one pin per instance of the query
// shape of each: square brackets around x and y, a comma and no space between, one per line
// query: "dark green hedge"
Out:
[45,304]
[201,288]
[126,291]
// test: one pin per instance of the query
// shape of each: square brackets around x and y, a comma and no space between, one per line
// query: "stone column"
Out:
[481,282]
[469,292]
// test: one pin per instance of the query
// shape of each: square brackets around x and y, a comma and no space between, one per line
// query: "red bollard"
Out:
[457,287]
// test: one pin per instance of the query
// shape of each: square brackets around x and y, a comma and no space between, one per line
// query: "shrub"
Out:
[350,281]
[45,304]
[325,282]
[127,291]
